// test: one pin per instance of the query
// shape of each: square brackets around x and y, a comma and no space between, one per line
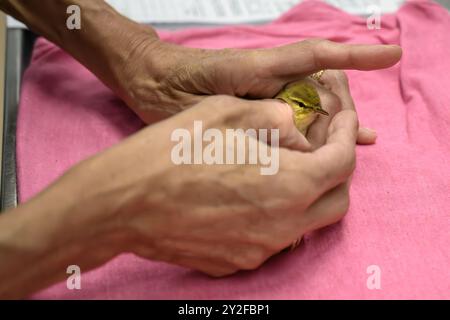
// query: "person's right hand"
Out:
[219,218]
[214,218]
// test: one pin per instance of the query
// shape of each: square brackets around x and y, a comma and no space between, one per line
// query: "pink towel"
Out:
[399,218]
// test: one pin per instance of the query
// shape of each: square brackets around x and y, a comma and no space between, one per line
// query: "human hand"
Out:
[214,218]
[221,218]
[133,198]
[161,79]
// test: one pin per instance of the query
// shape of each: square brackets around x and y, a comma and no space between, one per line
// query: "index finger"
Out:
[338,82]
[303,58]
[334,163]
[332,55]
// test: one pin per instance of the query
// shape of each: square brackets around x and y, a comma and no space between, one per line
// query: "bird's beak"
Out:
[321,111]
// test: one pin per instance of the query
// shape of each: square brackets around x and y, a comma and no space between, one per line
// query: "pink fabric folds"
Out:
[399,218]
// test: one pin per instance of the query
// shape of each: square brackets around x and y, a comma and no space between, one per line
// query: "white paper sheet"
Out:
[226,11]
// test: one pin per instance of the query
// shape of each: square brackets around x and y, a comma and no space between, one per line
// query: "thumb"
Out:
[276,114]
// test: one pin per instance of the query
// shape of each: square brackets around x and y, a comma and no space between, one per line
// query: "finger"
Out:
[303,58]
[275,114]
[333,163]
[328,209]
[338,83]
[230,112]
[318,131]
[366,136]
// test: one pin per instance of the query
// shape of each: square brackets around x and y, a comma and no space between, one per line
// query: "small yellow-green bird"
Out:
[305,102]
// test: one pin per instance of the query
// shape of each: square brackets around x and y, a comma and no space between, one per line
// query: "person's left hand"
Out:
[161,79]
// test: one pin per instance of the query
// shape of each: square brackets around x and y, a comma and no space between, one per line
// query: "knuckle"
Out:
[351,162]
[315,46]
[348,162]
[321,173]
[346,165]
[343,204]
[248,259]
[277,117]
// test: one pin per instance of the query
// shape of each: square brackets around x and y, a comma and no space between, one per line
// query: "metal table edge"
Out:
[19,44]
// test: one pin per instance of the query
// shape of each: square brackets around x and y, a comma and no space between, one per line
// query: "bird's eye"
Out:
[302,105]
